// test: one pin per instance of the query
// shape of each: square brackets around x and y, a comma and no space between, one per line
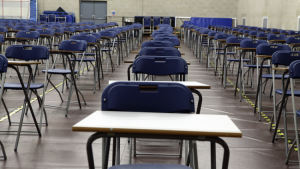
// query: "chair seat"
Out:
[84,60]
[237,60]
[59,71]
[150,166]
[277,76]
[106,49]
[288,92]
[17,86]
[254,66]
[87,54]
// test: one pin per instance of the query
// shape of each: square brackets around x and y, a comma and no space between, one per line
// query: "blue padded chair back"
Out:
[235,29]
[275,31]
[147,21]
[212,33]
[88,27]
[70,29]
[35,27]
[81,28]
[133,96]
[159,51]
[58,30]
[269,49]
[222,36]
[285,58]
[166,20]
[251,33]
[46,31]
[155,33]
[262,34]
[87,38]
[1,38]
[47,26]
[11,25]
[156,21]
[73,45]
[235,39]
[175,41]
[28,34]
[284,31]
[107,34]
[248,43]
[27,52]
[160,65]
[205,31]
[3,64]
[276,37]
[241,30]
[294,69]
[294,33]
[166,35]
[293,39]
[3,29]
[57,26]
[259,29]
[24,28]
[157,44]
[97,35]
[246,31]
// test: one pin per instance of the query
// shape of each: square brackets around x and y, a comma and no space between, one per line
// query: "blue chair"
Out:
[266,49]
[28,53]
[69,45]
[175,41]
[294,33]
[157,44]
[108,35]
[51,18]
[43,18]
[30,35]
[34,27]
[262,35]
[24,28]
[166,20]
[69,31]
[276,38]
[3,70]
[3,30]
[89,39]
[46,34]
[156,21]
[79,28]
[159,51]
[7,25]
[147,24]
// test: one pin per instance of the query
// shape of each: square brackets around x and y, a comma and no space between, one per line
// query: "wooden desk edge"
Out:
[22,63]
[281,68]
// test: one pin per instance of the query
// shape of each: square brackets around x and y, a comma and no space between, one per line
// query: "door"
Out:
[93,11]
[100,12]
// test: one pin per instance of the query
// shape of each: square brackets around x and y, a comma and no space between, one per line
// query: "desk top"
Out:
[263,56]
[131,61]
[159,123]
[277,40]
[22,63]
[188,84]
[46,35]
[238,44]
[294,44]
[281,68]
[64,51]
[15,38]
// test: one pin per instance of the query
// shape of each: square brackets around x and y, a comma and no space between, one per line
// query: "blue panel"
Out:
[204,22]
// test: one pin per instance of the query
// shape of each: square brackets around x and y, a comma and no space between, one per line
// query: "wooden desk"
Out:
[157,125]
[188,84]
[23,63]
[131,61]
[281,68]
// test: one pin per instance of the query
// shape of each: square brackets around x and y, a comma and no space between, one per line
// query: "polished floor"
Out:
[59,147]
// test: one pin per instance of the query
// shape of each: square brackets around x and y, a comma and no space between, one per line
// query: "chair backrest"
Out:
[157,44]
[28,34]
[69,29]
[3,64]
[3,29]
[294,33]
[1,38]
[159,51]
[294,69]
[223,36]
[167,20]
[27,52]
[24,28]
[46,31]
[156,21]
[276,37]
[81,28]
[235,39]
[293,39]
[175,41]
[166,35]
[87,38]
[160,65]
[51,18]
[148,97]
[97,35]
[269,49]
[107,34]
[248,43]
[285,58]
[35,27]
[43,18]
[147,21]
[73,45]
[251,33]
[263,34]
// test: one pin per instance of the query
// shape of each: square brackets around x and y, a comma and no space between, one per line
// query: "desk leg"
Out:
[213,155]
[200,100]
[191,154]
[118,151]
[238,73]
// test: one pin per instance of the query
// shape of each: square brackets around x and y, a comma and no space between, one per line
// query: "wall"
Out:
[184,8]
[282,14]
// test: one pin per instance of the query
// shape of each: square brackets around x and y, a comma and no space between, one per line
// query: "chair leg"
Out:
[3,151]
